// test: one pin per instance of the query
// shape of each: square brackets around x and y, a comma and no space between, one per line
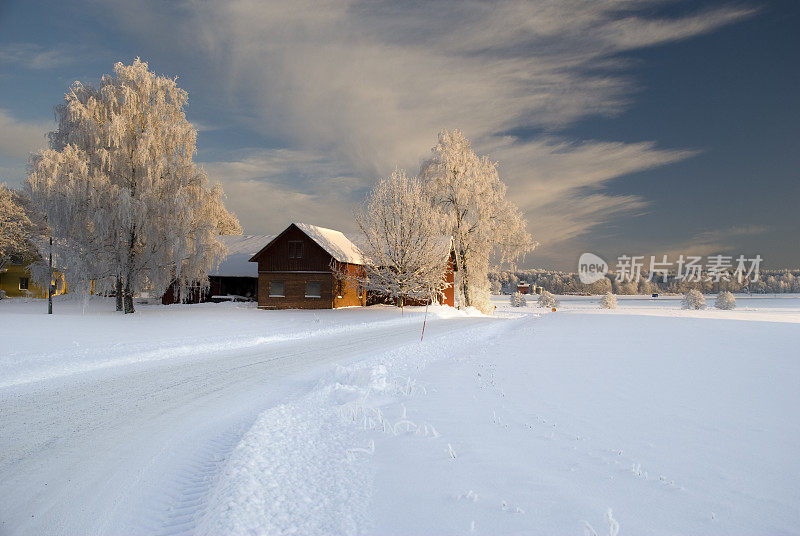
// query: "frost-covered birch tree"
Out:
[467,189]
[402,242]
[120,170]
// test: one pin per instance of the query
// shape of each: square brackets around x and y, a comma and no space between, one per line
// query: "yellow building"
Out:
[15,281]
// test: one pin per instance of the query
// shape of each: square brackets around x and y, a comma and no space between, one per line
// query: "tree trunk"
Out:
[118,293]
[465,280]
[128,300]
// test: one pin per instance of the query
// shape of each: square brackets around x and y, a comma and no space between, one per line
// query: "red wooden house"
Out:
[300,269]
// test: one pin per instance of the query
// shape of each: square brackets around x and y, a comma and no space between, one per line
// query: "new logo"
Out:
[591,268]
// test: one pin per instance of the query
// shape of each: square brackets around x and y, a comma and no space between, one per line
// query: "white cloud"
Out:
[20,138]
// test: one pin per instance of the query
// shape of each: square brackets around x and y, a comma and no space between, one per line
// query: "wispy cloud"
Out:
[366,86]
[559,183]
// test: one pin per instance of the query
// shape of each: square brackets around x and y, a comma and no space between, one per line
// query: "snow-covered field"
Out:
[222,419]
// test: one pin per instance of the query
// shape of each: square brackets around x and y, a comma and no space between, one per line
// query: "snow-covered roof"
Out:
[334,242]
[241,249]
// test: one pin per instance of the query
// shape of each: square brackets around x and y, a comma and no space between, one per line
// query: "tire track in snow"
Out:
[176,509]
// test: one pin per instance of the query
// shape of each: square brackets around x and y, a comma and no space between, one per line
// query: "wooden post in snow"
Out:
[424,320]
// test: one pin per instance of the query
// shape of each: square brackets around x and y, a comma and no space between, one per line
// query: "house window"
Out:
[360,291]
[313,289]
[295,249]
[276,289]
[23,283]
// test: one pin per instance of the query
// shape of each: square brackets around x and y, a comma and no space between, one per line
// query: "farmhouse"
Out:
[527,288]
[16,281]
[300,267]
[303,267]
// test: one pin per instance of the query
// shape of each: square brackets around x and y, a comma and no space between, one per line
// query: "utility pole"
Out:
[50,281]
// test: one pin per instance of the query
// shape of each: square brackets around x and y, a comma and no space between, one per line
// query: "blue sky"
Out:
[621,127]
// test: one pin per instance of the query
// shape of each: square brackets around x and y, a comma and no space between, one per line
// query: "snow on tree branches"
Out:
[127,205]
[226,222]
[547,300]
[518,300]
[483,223]
[693,300]
[405,252]
[608,301]
[725,301]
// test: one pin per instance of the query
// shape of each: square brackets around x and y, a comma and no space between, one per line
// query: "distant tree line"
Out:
[770,282]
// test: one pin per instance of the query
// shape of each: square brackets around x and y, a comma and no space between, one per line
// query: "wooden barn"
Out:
[298,270]
[236,278]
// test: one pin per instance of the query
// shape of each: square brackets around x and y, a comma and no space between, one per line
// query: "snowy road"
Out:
[134,448]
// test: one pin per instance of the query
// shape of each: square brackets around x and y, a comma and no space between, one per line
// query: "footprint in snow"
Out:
[505,507]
